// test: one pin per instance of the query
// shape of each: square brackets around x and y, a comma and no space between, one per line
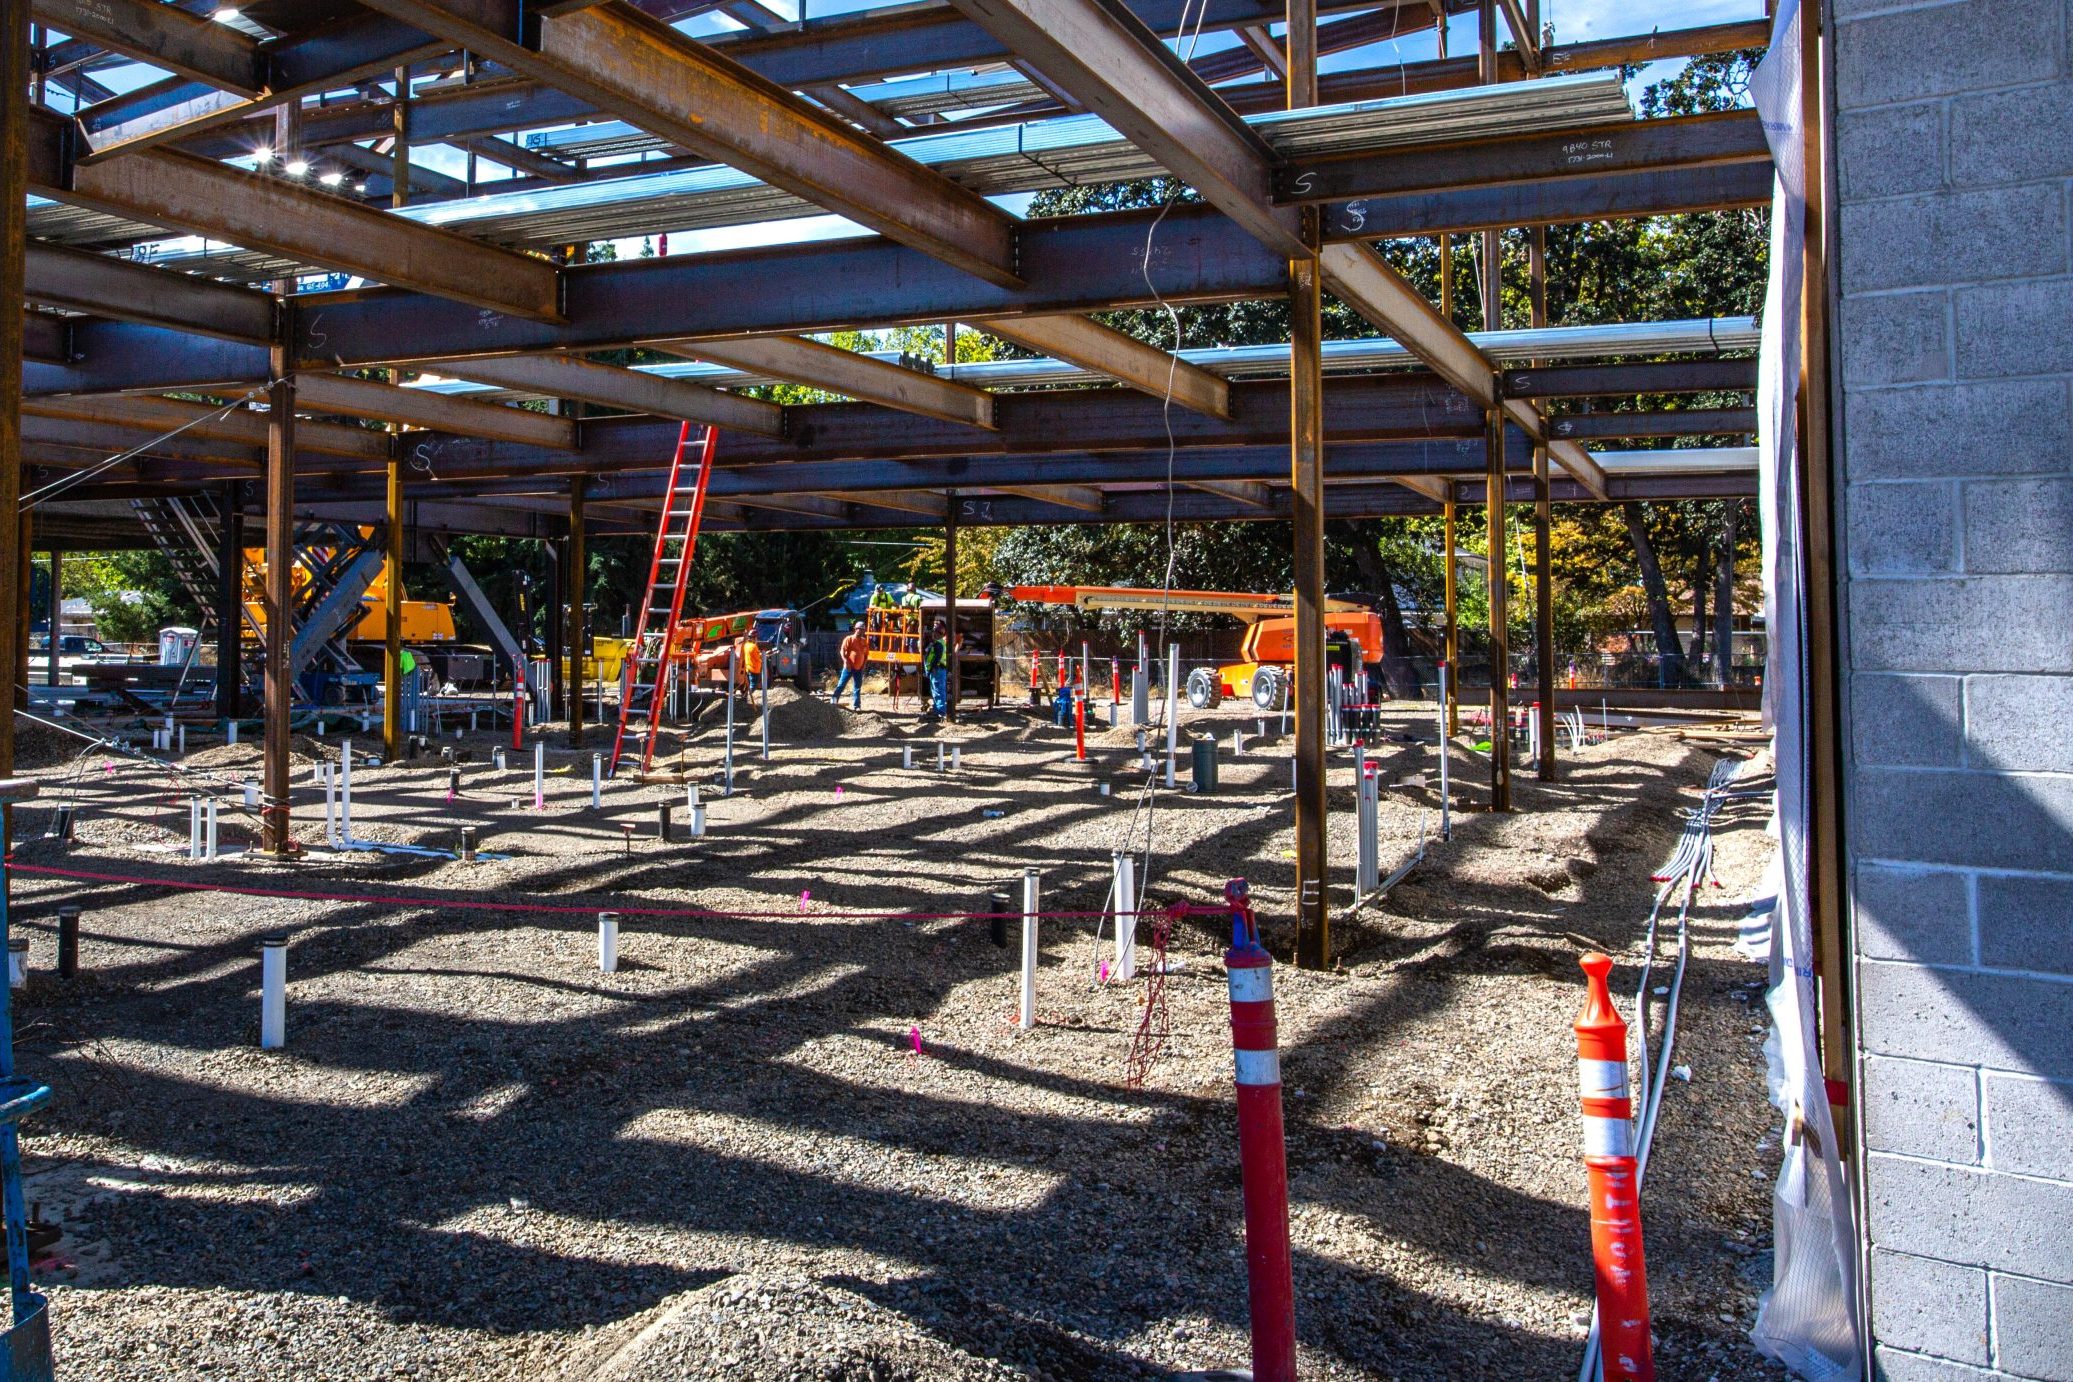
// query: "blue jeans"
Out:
[852,677]
[939,690]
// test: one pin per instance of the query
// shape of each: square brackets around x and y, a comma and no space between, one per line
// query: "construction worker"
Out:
[752,660]
[856,651]
[882,597]
[935,665]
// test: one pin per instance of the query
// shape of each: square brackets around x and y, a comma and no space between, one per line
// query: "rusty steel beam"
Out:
[1691,141]
[1105,350]
[623,62]
[613,386]
[370,398]
[327,57]
[1552,201]
[1085,498]
[163,35]
[144,418]
[1117,68]
[104,285]
[1657,376]
[45,338]
[271,214]
[818,365]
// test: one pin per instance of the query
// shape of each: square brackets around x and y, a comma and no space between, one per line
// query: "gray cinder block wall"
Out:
[1954,130]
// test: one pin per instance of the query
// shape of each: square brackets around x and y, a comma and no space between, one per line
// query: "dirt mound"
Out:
[304,750]
[797,718]
[778,1325]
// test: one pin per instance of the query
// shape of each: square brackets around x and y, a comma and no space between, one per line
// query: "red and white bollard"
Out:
[1079,725]
[518,715]
[1262,1154]
[1620,1270]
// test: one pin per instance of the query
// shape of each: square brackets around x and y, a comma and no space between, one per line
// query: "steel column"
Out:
[230,601]
[1543,520]
[1306,483]
[1499,587]
[392,617]
[1451,634]
[15,76]
[950,603]
[573,591]
[55,614]
[280,587]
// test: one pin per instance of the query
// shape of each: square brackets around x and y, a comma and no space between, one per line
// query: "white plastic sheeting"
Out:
[1808,1319]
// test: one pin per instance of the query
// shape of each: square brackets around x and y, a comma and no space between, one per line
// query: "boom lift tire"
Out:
[1205,689]
[1270,688]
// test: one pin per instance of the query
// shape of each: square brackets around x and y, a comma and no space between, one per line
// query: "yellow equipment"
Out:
[424,621]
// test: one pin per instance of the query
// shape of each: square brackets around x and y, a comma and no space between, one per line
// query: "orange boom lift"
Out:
[1264,673]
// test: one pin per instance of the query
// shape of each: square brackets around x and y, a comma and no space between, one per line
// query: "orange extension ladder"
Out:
[643,683]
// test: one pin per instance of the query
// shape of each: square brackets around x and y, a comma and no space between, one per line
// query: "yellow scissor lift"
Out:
[893,639]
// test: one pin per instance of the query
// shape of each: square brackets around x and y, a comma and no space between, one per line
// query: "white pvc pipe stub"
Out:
[607,942]
[273,992]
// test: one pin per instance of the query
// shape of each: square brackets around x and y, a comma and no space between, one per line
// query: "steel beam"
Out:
[1677,422]
[1551,201]
[329,56]
[905,500]
[1690,141]
[1072,264]
[612,386]
[46,338]
[1085,498]
[1117,68]
[273,215]
[693,96]
[1607,381]
[818,365]
[165,36]
[369,398]
[103,285]
[1357,408]
[143,418]
[1105,350]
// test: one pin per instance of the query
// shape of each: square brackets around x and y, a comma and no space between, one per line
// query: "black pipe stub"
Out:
[662,821]
[68,941]
[466,851]
[998,905]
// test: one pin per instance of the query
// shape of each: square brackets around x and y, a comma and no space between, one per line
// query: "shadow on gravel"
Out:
[606,1112]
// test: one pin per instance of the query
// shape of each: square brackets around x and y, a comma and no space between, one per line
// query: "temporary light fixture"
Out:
[227,14]
[262,154]
[296,167]
[332,179]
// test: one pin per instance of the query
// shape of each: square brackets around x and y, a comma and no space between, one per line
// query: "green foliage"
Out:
[134,594]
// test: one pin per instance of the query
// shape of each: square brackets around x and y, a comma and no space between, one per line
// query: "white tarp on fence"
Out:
[1808,1318]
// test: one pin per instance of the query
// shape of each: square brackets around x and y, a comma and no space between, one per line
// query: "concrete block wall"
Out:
[1954,135]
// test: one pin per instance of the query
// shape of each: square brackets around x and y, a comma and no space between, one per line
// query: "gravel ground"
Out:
[478,1157]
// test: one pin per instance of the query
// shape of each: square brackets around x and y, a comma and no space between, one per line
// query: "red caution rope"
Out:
[469,905]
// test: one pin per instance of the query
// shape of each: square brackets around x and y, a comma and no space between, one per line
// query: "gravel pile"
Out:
[775,1325]
[480,1158]
[799,718]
